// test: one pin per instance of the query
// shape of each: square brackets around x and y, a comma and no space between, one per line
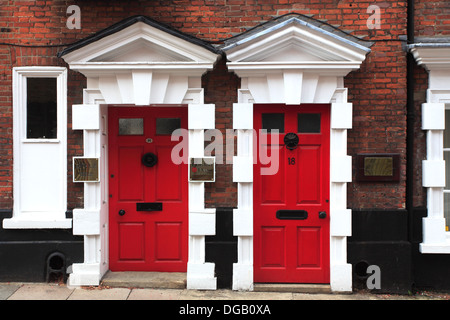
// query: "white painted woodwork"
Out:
[292,63]
[40,165]
[435,59]
[140,65]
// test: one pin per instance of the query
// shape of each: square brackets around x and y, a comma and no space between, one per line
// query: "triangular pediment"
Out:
[142,50]
[140,40]
[295,39]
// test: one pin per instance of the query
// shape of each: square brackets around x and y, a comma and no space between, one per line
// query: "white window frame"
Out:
[447,169]
[47,170]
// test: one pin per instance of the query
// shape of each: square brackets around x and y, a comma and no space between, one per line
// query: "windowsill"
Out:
[437,248]
[27,223]
[41,141]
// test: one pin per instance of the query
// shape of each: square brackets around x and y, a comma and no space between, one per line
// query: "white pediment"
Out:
[142,42]
[294,42]
[141,50]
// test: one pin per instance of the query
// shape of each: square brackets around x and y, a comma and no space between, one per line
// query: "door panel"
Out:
[168,250]
[148,203]
[273,247]
[130,173]
[168,171]
[131,241]
[308,191]
[308,256]
[291,241]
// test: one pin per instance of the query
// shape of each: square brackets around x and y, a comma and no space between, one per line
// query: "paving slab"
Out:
[41,291]
[99,293]
[7,289]
[233,295]
[155,294]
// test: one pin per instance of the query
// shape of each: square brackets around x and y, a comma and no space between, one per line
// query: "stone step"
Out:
[292,287]
[136,279]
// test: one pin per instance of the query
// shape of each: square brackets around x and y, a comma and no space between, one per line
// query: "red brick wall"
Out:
[378,90]
[432,19]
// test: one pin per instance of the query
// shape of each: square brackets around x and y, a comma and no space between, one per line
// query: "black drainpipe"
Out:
[410,119]
[410,131]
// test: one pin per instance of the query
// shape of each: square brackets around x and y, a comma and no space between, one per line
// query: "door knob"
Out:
[121,212]
[322,215]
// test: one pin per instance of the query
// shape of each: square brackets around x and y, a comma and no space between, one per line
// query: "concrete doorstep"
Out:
[160,280]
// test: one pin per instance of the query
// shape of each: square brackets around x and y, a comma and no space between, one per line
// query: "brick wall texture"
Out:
[32,32]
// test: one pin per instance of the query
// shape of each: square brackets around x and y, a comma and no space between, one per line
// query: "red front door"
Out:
[148,191]
[291,205]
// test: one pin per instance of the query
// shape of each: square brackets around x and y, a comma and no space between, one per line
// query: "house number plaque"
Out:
[85,170]
[201,169]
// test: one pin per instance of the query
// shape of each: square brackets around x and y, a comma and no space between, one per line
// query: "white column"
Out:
[91,220]
[202,221]
[243,215]
[340,216]
[433,178]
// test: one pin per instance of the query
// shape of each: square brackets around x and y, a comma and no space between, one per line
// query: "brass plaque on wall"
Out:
[201,169]
[85,170]
[378,167]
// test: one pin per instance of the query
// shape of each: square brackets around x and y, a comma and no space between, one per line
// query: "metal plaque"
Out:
[85,169]
[201,169]
[378,167]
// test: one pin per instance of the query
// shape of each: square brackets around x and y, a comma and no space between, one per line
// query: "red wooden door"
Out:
[148,224]
[291,207]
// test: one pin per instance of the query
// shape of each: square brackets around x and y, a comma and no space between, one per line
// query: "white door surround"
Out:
[290,60]
[139,62]
[294,60]
[433,55]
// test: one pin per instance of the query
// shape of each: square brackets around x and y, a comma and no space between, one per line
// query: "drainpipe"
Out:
[410,131]
[410,119]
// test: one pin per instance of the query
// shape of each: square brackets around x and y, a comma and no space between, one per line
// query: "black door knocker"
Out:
[291,140]
[149,159]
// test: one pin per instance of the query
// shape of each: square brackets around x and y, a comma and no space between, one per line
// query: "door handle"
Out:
[322,215]
[121,212]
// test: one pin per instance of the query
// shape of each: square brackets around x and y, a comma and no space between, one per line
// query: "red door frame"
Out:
[278,253]
[140,248]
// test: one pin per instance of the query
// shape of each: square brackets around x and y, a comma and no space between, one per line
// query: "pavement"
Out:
[60,291]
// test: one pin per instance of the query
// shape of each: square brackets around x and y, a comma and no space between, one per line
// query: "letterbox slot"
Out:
[149,206]
[292,214]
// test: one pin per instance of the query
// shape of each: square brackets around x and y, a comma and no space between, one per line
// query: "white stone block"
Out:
[341,115]
[341,278]
[201,116]
[341,169]
[433,116]
[243,116]
[293,80]
[201,223]
[242,277]
[433,230]
[86,222]
[242,222]
[341,223]
[433,173]
[200,276]
[243,169]
[85,117]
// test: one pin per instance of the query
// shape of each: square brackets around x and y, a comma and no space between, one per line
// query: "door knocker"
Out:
[291,140]
[149,159]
